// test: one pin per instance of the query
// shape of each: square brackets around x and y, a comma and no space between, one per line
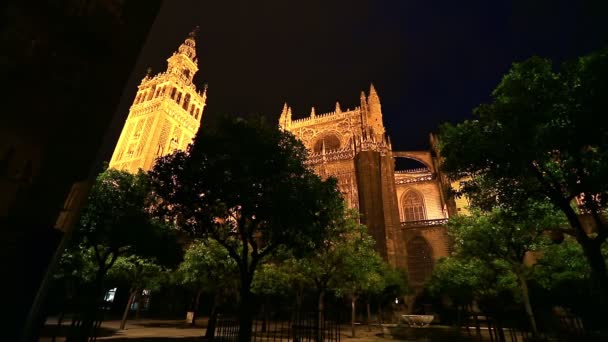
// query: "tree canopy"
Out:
[244,184]
[543,137]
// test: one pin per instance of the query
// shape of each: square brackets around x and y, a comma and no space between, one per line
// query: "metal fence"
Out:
[300,327]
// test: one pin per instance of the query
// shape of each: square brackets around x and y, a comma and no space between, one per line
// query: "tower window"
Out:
[173,93]
[150,94]
[196,113]
[187,73]
[186,102]
[179,97]
[413,206]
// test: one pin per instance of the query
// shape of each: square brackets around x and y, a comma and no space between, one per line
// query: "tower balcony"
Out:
[424,223]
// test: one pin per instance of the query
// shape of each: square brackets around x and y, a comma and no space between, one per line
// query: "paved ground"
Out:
[152,330]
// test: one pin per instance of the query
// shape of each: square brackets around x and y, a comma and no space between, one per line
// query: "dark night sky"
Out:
[431,61]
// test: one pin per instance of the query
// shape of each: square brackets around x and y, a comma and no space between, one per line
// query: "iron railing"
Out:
[300,327]
[424,223]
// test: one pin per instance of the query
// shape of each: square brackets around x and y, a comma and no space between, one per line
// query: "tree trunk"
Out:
[91,308]
[298,299]
[599,274]
[593,253]
[138,301]
[527,305]
[197,300]
[353,312]
[125,314]
[321,308]
[213,317]
[246,309]
[369,315]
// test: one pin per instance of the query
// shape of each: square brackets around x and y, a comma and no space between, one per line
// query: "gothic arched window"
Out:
[419,260]
[413,206]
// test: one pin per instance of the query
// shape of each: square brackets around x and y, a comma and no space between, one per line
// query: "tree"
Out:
[207,265]
[245,185]
[505,235]
[564,274]
[545,136]
[74,275]
[466,279]
[137,274]
[344,263]
[361,273]
[394,285]
[113,223]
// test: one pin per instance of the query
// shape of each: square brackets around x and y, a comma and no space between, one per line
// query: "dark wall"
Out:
[64,65]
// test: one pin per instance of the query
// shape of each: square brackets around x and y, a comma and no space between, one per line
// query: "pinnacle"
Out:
[194,33]
[372,90]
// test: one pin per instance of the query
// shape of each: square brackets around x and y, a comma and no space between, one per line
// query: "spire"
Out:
[363,110]
[194,33]
[183,62]
[374,112]
[312,112]
[285,118]
[363,98]
[372,90]
[338,109]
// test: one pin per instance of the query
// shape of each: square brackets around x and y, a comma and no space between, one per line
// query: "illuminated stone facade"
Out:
[405,210]
[165,114]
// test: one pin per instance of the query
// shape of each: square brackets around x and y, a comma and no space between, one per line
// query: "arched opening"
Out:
[413,206]
[406,165]
[419,260]
[186,102]
[331,142]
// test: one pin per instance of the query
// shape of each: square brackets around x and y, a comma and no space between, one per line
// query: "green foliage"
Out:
[276,279]
[467,279]
[242,183]
[346,261]
[207,265]
[116,221]
[543,132]
[544,138]
[503,233]
[137,273]
[395,284]
[76,266]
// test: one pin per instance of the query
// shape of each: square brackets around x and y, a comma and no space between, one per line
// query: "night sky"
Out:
[431,61]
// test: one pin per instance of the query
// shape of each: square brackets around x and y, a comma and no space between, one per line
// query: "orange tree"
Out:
[544,137]
[244,184]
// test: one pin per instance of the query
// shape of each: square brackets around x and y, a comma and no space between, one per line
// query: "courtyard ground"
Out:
[152,330]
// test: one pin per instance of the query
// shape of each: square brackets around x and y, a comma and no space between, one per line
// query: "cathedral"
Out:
[404,210]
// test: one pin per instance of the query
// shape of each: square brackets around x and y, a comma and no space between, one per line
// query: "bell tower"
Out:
[166,112]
